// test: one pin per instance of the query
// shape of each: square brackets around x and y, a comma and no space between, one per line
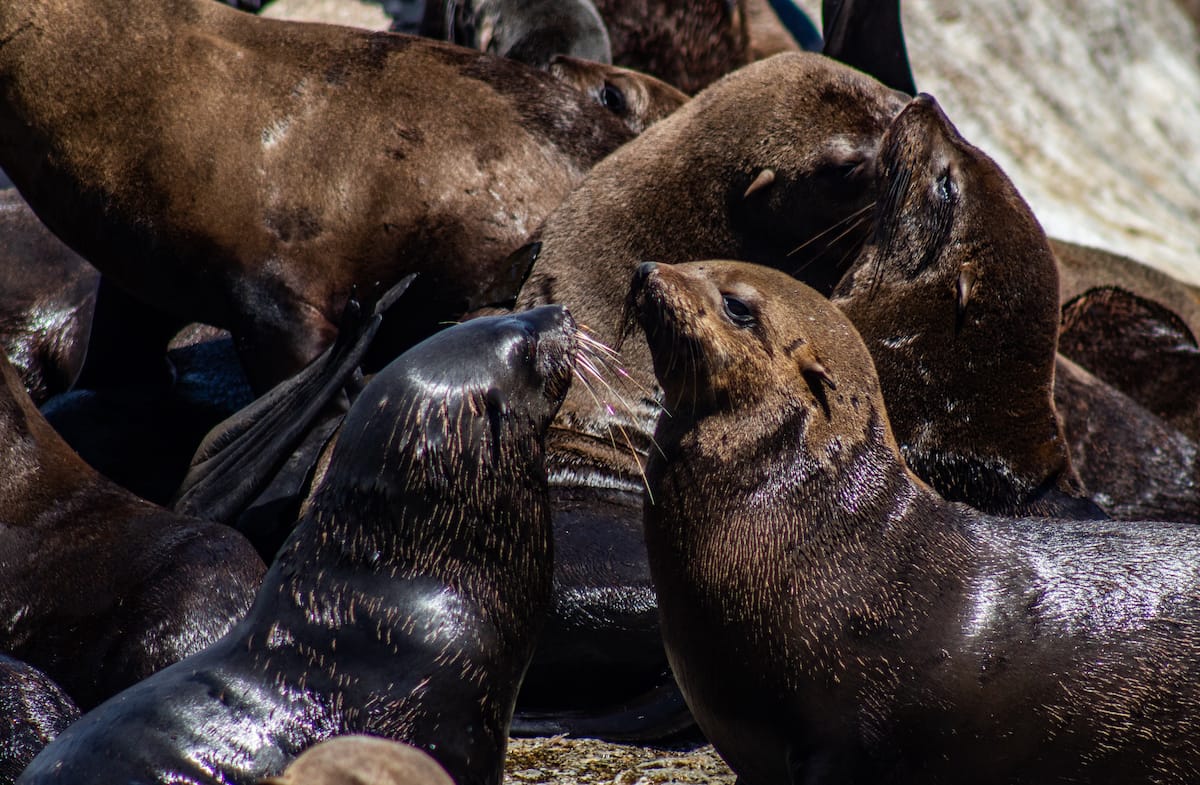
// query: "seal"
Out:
[638,99]
[362,760]
[1134,463]
[1140,347]
[404,605]
[531,32]
[775,164]
[687,44]
[342,191]
[35,710]
[101,588]
[829,617]
[47,302]
[956,295]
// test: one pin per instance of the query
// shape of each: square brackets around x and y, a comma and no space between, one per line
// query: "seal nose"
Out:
[643,272]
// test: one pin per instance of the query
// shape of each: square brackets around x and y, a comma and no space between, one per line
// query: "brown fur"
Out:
[249,172]
[956,295]
[101,589]
[642,100]
[688,43]
[678,193]
[831,619]
[362,760]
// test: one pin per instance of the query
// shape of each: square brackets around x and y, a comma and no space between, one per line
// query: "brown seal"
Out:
[46,303]
[1134,464]
[100,588]
[248,172]
[956,296]
[687,43]
[1140,347]
[774,164]
[362,760]
[406,602]
[638,99]
[831,618]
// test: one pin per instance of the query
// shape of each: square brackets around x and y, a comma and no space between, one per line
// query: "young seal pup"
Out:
[956,296]
[404,605]
[248,172]
[832,619]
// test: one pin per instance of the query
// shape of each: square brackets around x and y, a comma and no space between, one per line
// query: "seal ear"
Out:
[967,277]
[764,179]
[815,375]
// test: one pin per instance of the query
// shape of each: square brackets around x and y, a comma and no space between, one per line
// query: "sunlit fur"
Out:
[831,619]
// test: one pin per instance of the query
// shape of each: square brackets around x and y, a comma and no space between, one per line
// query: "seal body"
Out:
[100,588]
[830,618]
[768,164]
[35,710]
[405,603]
[248,172]
[46,303]
[956,296]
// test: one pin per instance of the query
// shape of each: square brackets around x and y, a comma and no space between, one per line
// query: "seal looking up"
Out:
[248,172]
[406,602]
[830,618]
[956,296]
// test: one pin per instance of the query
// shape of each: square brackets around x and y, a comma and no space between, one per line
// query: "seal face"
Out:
[829,617]
[405,603]
[956,295]
[344,191]
[531,32]
[362,760]
[638,99]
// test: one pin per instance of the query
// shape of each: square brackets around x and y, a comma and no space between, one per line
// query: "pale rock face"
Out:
[1092,107]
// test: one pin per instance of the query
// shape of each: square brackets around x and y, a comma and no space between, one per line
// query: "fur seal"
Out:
[248,172]
[687,43]
[638,99]
[362,760]
[956,296]
[1140,347]
[830,618]
[100,588]
[35,710]
[774,163]
[46,304]
[405,603]
[531,31]
[1134,464]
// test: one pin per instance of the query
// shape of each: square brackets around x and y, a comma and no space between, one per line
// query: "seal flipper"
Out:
[868,35]
[1140,347]
[242,454]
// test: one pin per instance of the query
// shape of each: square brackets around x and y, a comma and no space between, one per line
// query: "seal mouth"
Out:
[679,356]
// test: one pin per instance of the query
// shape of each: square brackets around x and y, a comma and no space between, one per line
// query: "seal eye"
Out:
[612,99]
[738,312]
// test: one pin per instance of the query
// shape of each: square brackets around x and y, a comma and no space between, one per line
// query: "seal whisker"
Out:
[852,252]
[854,217]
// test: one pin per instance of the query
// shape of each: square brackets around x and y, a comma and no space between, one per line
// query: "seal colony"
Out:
[247,172]
[828,616]
[404,605]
